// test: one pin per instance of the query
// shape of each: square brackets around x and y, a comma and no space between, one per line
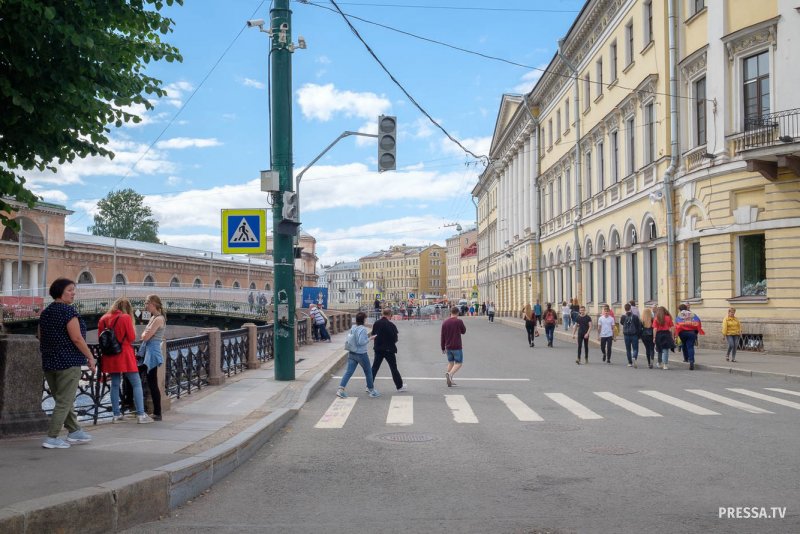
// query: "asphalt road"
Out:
[474,459]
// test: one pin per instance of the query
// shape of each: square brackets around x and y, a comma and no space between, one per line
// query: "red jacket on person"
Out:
[125,362]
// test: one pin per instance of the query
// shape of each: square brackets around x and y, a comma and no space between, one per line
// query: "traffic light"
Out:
[289,206]
[387,143]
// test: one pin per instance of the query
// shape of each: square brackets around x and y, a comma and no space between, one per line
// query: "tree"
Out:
[68,70]
[124,215]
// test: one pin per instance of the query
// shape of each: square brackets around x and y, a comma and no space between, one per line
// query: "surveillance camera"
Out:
[255,22]
[284,26]
[301,42]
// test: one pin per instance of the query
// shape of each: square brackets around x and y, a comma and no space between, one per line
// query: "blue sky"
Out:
[209,156]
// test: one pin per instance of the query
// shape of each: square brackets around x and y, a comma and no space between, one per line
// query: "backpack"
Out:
[108,342]
[549,317]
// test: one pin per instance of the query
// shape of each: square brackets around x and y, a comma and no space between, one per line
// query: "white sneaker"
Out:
[665,367]
[341,393]
[55,443]
[630,365]
[118,419]
[144,419]
[404,388]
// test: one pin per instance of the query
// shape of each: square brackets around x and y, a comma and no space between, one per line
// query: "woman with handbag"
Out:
[119,320]
[151,349]
[530,323]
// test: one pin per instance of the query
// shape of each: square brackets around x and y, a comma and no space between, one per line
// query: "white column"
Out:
[33,278]
[526,185]
[506,204]
[8,277]
[518,190]
[514,193]
[533,150]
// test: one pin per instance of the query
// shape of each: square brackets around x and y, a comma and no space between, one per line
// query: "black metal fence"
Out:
[187,365]
[234,351]
[265,342]
[772,128]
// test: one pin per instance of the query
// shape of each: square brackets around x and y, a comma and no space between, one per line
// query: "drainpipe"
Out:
[537,198]
[578,183]
[669,175]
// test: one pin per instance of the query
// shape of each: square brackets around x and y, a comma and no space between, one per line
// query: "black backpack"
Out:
[108,342]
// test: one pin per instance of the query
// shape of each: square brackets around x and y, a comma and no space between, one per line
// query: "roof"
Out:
[71,238]
[343,266]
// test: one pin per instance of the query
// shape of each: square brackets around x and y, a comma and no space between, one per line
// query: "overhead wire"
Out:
[483,158]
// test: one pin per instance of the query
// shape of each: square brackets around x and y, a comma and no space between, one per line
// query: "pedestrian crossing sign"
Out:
[244,231]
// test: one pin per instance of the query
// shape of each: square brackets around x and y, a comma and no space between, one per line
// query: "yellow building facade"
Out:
[667,170]
[403,273]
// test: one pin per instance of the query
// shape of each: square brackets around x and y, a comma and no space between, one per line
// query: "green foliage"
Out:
[124,215]
[68,70]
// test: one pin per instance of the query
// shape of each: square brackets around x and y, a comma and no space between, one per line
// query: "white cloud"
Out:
[529,79]
[175,93]
[354,185]
[187,142]
[176,180]
[249,82]
[52,195]
[324,60]
[367,128]
[195,241]
[478,145]
[322,102]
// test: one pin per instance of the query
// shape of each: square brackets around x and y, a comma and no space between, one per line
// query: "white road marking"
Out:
[337,413]
[401,411]
[441,379]
[768,398]
[730,402]
[787,391]
[462,413]
[519,408]
[688,406]
[573,406]
[628,405]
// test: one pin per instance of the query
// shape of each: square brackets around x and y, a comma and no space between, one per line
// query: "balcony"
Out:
[770,143]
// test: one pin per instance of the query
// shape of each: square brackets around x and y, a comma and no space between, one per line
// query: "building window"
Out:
[550,199]
[566,114]
[568,185]
[558,124]
[587,90]
[197,282]
[148,281]
[756,89]
[86,278]
[175,282]
[652,289]
[635,276]
[218,284]
[601,167]
[617,278]
[590,297]
[613,66]
[700,112]
[614,157]
[649,134]
[695,289]
[631,146]
[550,133]
[588,180]
[752,265]
[119,280]
[602,275]
[629,43]
[599,76]
[648,23]
[558,197]
[698,5]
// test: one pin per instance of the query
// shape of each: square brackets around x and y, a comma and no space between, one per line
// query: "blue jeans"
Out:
[688,339]
[665,356]
[323,332]
[136,384]
[549,329]
[631,347]
[354,360]
[566,321]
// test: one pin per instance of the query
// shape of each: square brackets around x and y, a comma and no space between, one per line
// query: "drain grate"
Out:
[610,451]
[553,427]
[406,437]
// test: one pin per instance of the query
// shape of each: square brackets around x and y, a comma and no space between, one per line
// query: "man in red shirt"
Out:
[452,329]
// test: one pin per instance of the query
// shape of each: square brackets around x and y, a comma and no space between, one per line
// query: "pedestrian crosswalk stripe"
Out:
[768,398]
[401,411]
[462,413]
[730,402]
[628,405]
[688,406]
[573,406]
[338,412]
[519,408]
[787,391]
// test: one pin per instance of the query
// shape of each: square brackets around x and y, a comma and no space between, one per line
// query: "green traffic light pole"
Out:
[281,143]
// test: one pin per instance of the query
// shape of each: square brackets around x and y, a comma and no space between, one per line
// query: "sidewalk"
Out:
[132,473]
[764,364]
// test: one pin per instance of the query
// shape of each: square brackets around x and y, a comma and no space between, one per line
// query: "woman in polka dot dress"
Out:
[62,342]
[120,319]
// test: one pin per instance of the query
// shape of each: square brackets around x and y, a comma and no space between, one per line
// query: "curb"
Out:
[676,363]
[148,495]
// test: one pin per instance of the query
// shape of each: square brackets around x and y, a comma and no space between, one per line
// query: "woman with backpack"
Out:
[116,332]
[356,344]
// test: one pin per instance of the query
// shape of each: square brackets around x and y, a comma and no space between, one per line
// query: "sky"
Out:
[201,148]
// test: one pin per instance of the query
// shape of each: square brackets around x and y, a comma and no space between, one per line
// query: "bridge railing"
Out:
[190,363]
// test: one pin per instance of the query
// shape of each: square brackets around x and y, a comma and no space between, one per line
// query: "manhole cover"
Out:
[406,437]
[610,451]
[553,427]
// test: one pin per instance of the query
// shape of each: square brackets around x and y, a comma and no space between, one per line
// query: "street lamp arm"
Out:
[344,134]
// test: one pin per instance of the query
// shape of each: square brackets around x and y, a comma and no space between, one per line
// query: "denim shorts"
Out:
[455,356]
